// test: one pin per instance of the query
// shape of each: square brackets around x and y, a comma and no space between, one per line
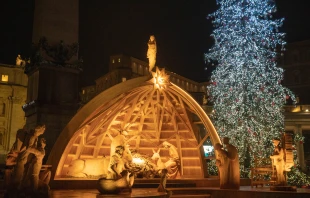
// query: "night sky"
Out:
[123,26]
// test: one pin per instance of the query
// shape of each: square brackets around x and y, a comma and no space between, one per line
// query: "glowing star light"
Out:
[160,79]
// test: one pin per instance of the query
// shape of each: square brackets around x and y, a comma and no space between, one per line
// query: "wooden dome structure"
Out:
[151,110]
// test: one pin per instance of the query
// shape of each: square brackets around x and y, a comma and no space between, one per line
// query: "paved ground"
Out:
[92,193]
[152,192]
[146,192]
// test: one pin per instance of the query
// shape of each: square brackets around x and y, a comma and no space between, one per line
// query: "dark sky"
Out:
[123,26]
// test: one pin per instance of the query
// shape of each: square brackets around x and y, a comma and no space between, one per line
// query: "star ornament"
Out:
[160,79]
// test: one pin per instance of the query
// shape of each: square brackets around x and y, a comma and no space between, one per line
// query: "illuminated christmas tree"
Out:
[246,88]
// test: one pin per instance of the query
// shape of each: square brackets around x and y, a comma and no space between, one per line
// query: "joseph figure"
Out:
[222,163]
[234,167]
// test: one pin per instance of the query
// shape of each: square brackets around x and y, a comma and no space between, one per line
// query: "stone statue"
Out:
[116,158]
[23,158]
[120,179]
[204,100]
[163,181]
[26,176]
[32,176]
[110,186]
[279,162]
[222,163]
[11,158]
[234,167]
[227,162]
[20,61]
[119,142]
[85,167]
[160,165]
[151,52]
[172,165]
[45,176]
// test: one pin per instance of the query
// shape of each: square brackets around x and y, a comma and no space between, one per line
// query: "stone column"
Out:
[53,94]
[56,20]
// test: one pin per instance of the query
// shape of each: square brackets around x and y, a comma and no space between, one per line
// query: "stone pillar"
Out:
[53,93]
[56,20]
[300,148]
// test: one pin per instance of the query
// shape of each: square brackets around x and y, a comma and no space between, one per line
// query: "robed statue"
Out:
[151,52]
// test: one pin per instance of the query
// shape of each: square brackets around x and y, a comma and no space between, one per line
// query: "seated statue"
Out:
[23,158]
[27,178]
[11,158]
[32,177]
[119,178]
[173,164]
[116,186]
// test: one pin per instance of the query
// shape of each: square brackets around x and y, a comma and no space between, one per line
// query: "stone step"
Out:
[189,192]
[191,196]
[168,185]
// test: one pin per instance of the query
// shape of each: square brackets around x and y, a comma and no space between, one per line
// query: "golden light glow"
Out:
[138,161]
[296,109]
[160,78]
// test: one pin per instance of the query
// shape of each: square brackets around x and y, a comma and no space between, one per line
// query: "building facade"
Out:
[123,67]
[296,64]
[13,94]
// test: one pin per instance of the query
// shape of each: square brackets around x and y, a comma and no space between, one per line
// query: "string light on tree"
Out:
[246,85]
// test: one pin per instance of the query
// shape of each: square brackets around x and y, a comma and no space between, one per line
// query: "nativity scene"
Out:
[144,128]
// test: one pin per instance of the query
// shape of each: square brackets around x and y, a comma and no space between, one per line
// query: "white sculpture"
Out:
[107,167]
[23,160]
[227,162]
[119,140]
[234,166]
[117,157]
[88,167]
[222,163]
[20,61]
[172,165]
[11,158]
[204,100]
[27,177]
[32,176]
[279,162]
[119,179]
[100,167]
[121,157]
[151,52]
[156,157]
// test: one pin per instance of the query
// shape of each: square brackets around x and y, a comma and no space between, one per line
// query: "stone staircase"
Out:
[176,188]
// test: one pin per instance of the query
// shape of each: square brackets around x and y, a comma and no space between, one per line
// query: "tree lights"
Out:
[246,85]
